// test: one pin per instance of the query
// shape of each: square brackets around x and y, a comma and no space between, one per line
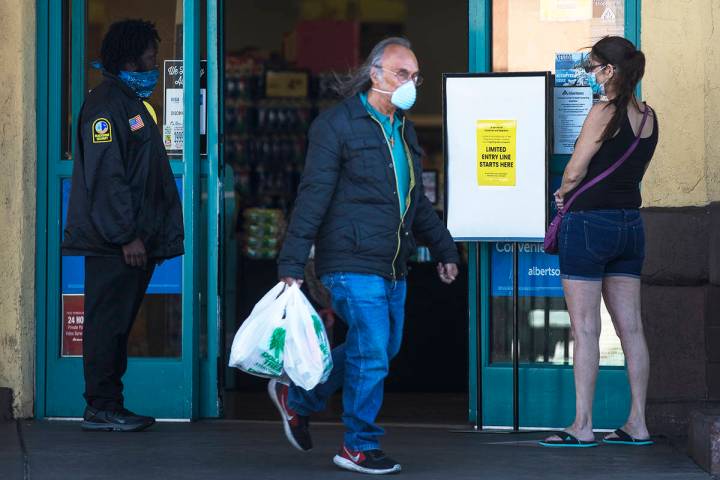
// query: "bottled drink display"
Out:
[265,143]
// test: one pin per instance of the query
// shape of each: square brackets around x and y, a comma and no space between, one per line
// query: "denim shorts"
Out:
[601,243]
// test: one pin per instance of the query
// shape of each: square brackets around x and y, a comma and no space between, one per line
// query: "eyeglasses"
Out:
[591,68]
[404,76]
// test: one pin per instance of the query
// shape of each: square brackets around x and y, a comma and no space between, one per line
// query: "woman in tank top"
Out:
[601,240]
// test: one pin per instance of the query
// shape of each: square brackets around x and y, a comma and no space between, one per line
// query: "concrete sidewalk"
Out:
[257,450]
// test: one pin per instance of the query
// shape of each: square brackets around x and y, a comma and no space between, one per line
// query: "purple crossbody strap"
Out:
[612,167]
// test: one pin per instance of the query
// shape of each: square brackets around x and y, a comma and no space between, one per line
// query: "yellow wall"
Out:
[17,194]
[682,82]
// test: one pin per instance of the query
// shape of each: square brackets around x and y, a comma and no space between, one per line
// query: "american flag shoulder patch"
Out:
[136,123]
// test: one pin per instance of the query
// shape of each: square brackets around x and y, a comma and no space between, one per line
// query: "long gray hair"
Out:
[359,80]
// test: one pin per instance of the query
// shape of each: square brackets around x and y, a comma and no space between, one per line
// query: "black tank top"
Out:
[621,189]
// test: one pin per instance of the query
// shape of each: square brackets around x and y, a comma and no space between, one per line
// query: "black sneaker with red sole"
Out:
[297,427]
[373,462]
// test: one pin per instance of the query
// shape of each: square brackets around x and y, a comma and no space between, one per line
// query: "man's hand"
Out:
[290,281]
[447,272]
[134,253]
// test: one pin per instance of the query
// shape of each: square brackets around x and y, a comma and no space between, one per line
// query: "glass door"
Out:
[527,35]
[172,370]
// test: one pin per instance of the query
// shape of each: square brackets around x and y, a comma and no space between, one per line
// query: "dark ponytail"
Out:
[629,64]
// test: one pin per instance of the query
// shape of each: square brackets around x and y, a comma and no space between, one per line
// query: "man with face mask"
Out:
[361,202]
[124,214]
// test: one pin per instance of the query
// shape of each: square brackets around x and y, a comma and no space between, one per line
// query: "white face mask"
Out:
[403,97]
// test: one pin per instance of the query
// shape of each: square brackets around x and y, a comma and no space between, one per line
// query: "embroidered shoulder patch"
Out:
[101,131]
[136,123]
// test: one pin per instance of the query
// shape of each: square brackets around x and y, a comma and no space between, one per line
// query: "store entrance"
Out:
[280,57]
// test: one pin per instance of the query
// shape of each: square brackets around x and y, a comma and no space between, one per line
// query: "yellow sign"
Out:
[368,11]
[324,9]
[496,148]
[286,84]
[383,11]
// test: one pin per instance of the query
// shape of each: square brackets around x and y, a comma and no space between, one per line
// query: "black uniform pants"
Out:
[113,294]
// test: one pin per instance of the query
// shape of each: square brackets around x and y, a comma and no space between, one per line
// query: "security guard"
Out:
[124,215]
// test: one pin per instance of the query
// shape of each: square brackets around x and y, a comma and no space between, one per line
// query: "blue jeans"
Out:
[373,309]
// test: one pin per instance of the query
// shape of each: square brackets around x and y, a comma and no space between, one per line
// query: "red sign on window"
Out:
[73,318]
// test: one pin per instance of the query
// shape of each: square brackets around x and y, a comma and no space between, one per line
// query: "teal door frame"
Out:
[184,387]
[546,391]
[212,365]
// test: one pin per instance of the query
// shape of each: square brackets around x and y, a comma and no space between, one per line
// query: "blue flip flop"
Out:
[568,441]
[624,438]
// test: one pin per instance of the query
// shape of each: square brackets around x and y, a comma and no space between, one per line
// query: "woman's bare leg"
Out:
[583,301]
[622,297]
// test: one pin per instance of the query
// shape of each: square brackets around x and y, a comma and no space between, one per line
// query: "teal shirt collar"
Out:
[384,119]
[393,135]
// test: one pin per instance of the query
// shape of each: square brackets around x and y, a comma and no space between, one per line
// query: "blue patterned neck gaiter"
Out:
[142,83]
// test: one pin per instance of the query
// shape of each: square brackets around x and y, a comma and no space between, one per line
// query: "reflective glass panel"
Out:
[527,35]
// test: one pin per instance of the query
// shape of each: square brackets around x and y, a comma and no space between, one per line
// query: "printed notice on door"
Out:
[73,315]
[496,148]
[174,115]
[572,105]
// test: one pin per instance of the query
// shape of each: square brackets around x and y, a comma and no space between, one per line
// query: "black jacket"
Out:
[347,203]
[122,184]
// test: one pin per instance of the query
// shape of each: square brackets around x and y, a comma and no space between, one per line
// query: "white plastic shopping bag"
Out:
[321,335]
[259,345]
[307,359]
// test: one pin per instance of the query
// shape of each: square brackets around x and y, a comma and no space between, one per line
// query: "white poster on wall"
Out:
[496,148]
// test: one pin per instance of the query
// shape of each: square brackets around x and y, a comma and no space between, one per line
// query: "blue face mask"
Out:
[597,88]
[142,83]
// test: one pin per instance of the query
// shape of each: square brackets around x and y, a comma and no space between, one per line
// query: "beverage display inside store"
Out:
[269,106]
[265,141]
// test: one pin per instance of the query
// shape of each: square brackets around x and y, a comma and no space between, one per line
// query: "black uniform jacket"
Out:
[347,203]
[122,185]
